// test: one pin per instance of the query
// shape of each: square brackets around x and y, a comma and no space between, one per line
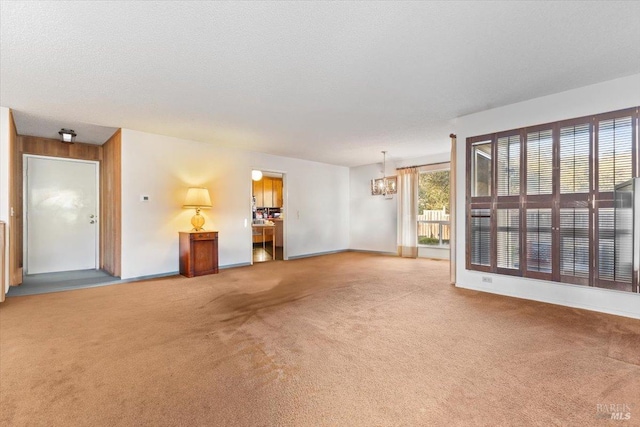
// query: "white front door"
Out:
[61,212]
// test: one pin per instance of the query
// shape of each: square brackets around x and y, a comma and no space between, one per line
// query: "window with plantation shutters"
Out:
[606,244]
[615,246]
[575,149]
[540,162]
[481,237]
[539,240]
[509,165]
[508,238]
[550,203]
[615,146]
[574,243]
[623,238]
[481,168]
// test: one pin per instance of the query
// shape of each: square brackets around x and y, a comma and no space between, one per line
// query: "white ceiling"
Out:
[335,82]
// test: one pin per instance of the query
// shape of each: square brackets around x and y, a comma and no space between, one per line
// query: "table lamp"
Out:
[197,198]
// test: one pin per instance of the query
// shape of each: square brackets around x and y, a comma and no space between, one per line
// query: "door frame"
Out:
[25,186]
[285,206]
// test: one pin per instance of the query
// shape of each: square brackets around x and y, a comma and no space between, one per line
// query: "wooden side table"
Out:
[198,253]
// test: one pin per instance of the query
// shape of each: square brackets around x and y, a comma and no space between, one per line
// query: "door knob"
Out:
[92,222]
[92,216]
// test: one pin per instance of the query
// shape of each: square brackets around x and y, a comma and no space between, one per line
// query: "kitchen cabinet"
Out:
[268,192]
[257,192]
[279,232]
[277,193]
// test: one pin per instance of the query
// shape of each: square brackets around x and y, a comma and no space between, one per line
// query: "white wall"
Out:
[316,210]
[4,183]
[373,224]
[443,157]
[164,167]
[373,219]
[599,98]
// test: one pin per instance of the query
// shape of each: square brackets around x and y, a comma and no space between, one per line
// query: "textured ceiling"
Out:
[335,82]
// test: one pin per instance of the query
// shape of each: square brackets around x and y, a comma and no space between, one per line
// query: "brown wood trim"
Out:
[615,285]
[512,204]
[483,268]
[508,271]
[531,274]
[508,199]
[482,199]
[111,205]
[15,208]
[467,214]
[42,147]
[3,266]
[542,200]
[555,206]
[54,148]
[572,280]
[616,114]
[636,148]
[575,200]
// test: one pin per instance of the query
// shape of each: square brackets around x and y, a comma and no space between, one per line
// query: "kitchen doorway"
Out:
[268,216]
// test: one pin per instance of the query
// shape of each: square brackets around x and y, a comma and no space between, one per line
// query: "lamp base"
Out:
[197,221]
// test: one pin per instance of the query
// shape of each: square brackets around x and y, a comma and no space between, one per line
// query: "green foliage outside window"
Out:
[433,192]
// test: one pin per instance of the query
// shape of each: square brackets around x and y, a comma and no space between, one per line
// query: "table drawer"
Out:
[205,235]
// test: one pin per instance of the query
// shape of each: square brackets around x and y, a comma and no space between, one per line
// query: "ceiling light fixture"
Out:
[385,186]
[256,175]
[67,135]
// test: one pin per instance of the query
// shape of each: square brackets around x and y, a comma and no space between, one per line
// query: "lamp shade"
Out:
[197,198]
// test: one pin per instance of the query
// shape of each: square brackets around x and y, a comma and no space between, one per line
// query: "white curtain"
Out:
[452,211]
[408,212]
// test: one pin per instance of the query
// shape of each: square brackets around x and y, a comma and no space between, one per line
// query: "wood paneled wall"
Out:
[15,232]
[2,258]
[109,202]
[55,148]
[111,205]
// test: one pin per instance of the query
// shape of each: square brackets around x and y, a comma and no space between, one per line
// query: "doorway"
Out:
[268,220]
[60,215]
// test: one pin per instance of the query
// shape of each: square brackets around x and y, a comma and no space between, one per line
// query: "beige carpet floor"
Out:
[348,339]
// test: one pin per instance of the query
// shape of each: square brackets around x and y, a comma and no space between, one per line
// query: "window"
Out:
[540,200]
[615,145]
[575,150]
[481,168]
[509,165]
[538,241]
[574,245]
[433,207]
[508,252]
[540,162]
[480,237]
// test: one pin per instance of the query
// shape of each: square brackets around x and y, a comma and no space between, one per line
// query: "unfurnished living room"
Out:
[319,213]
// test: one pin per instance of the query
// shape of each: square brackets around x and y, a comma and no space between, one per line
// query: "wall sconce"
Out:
[256,175]
[67,135]
[197,198]
[386,185]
